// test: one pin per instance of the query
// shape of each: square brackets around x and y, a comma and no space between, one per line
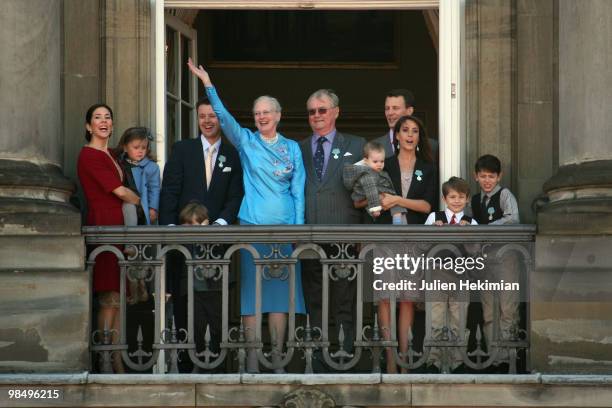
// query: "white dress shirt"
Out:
[449,215]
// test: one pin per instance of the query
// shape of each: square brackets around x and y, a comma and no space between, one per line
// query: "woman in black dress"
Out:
[414,178]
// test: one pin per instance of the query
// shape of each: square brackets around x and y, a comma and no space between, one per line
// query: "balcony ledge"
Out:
[301,379]
[530,390]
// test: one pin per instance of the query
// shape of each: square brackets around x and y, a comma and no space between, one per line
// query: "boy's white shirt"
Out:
[431,219]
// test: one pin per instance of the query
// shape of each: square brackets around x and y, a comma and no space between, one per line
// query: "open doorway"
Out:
[290,54]
[361,87]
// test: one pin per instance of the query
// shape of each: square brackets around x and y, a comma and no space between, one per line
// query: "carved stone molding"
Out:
[303,5]
[308,398]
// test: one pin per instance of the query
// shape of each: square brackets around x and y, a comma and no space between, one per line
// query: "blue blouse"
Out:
[274,174]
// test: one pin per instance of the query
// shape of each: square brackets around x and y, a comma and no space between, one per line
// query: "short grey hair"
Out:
[325,93]
[270,99]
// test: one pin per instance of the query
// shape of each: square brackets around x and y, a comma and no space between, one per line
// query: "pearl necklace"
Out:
[270,141]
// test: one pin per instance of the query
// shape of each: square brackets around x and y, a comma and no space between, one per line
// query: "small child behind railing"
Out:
[194,213]
[206,292]
[142,177]
[449,308]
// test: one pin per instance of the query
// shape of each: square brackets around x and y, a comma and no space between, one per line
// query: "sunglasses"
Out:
[321,111]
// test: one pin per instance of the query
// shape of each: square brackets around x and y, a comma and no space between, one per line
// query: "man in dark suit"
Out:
[187,178]
[398,103]
[328,202]
[207,170]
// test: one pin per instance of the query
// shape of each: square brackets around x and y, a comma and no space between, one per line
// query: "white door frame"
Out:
[450,66]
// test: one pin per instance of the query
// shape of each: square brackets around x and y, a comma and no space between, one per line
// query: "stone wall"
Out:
[570,315]
[44,290]
[490,78]
[107,58]
[535,140]
[318,391]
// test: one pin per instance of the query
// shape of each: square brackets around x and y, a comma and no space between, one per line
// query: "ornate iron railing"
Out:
[344,252]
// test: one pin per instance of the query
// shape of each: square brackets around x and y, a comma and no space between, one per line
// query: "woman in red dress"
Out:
[102,182]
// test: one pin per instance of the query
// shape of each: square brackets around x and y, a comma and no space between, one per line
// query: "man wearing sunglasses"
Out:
[328,202]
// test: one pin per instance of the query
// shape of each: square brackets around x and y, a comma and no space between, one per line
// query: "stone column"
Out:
[127,84]
[44,313]
[490,76]
[535,102]
[572,309]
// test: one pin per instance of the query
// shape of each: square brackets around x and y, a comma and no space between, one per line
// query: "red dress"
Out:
[99,176]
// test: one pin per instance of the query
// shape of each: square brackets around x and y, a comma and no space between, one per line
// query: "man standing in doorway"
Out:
[207,170]
[204,169]
[398,103]
[328,202]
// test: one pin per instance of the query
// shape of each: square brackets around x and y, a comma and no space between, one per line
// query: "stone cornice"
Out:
[20,175]
[592,175]
[303,5]
[433,390]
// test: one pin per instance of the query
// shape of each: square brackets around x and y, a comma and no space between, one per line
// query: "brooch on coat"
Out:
[491,211]
[419,175]
[222,159]
[336,152]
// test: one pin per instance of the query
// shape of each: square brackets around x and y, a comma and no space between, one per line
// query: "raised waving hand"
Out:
[200,72]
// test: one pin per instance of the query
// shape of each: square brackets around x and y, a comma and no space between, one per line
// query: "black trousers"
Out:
[342,300]
[207,312]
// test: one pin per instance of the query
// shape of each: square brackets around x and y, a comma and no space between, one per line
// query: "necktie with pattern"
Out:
[319,157]
[483,205]
[209,164]
[453,219]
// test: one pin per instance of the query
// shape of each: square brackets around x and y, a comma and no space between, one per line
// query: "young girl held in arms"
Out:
[142,177]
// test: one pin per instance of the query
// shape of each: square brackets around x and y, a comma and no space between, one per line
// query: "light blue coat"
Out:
[274,175]
[146,177]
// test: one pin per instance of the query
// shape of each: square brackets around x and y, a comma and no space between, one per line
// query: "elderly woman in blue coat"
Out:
[274,178]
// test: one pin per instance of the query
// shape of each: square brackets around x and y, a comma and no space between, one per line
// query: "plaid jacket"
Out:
[366,183]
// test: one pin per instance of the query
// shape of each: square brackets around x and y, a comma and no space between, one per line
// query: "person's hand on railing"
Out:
[200,72]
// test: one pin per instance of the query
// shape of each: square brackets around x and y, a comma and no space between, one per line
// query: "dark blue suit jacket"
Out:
[185,180]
